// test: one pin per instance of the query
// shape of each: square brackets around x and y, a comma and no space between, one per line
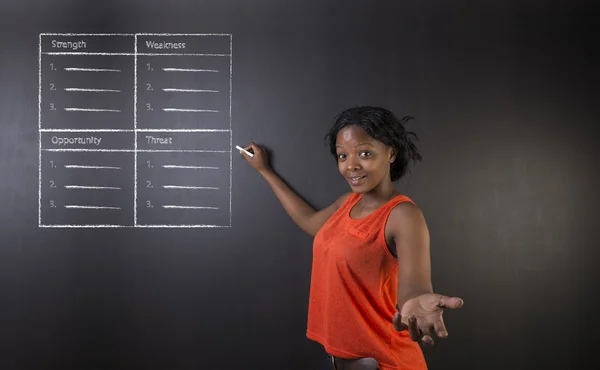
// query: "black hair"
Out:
[382,125]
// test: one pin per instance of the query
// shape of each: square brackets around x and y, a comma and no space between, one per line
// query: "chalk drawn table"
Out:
[135,130]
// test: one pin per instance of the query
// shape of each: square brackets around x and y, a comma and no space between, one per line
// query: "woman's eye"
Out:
[341,156]
[365,154]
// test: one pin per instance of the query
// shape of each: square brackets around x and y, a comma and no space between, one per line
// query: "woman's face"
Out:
[363,161]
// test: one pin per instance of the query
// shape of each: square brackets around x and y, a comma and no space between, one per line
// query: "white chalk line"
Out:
[73,69]
[132,54]
[128,130]
[92,187]
[189,187]
[39,128]
[190,110]
[132,34]
[91,110]
[137,150]
[183,130]
[84,130]
[90,90]
[182,34]
[182,151]
[190,167]
[92,167]
[189,70]
[230,133]
[82,226]
[179,226]
[189,90]
[90,207]
[135,135]
[84,34]
[187,207]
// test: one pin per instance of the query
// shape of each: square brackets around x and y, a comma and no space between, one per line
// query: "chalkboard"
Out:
[133,235]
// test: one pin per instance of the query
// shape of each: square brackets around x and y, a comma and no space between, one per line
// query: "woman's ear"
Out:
[393,153]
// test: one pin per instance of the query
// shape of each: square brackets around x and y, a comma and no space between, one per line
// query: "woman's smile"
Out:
[356,180]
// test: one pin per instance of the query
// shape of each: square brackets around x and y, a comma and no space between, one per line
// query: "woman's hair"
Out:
[381,125]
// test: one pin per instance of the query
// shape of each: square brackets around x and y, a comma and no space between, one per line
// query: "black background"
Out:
[504,99]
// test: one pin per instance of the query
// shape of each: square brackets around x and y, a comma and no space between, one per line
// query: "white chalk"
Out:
[244,150]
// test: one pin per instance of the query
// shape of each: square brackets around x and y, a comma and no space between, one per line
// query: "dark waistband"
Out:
[338,363]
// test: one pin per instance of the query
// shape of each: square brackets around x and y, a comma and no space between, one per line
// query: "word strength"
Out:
[135,130]
[74,45]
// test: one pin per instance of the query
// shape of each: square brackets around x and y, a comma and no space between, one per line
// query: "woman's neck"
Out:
[380,194]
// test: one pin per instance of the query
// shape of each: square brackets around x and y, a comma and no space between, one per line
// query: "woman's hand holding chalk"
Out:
[244,150]
[256,157]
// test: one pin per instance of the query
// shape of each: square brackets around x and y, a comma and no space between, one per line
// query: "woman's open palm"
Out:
[422,316]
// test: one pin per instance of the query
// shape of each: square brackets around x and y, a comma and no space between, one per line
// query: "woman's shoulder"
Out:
[405,211]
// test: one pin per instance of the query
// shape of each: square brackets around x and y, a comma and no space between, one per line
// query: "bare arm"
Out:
[420,309]
[305,216]
[411,237]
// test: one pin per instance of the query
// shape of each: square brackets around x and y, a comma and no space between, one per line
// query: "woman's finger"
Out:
[427,340]
[440,328]
[428,334]
[413,329]
[397,321]
[255,148]
[450,302]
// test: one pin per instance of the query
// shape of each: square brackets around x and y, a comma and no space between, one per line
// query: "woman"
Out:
[371,295]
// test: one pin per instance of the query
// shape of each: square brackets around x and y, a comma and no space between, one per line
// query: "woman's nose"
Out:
[352,165]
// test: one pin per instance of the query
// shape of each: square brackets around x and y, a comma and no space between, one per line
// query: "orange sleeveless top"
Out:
[353,290]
